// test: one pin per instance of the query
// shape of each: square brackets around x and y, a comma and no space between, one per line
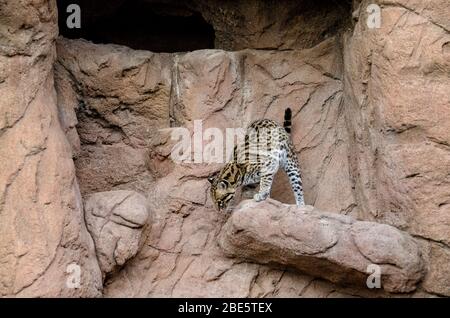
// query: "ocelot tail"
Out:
[267,147]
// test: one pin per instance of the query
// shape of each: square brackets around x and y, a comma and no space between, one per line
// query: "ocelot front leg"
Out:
[268,171]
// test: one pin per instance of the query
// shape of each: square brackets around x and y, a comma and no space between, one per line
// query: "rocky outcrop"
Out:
[396,88]
[45,249]
[322,244]
[182,258]
[122,101]
[397,104]
[369,127]
[116,221]
[125,99]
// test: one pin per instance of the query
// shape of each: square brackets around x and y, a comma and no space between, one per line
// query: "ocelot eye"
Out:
[222,185]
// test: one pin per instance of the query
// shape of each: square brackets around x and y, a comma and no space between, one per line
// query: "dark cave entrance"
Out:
[139,24]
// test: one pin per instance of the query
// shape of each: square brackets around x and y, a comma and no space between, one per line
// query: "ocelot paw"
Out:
[260,197]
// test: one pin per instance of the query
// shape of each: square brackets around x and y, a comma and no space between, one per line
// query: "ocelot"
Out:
[267,147]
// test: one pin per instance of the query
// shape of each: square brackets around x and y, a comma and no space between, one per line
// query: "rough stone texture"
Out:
[225,89]
[124,101]
[181,257]
[116,221]
[438,279]
[41,215]
[370,128]
[396,90]
[322,244]
[233,88]
[275,25]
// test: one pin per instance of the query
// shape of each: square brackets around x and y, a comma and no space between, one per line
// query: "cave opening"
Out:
[139,24]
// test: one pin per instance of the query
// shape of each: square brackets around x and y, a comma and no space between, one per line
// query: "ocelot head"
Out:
[224,184]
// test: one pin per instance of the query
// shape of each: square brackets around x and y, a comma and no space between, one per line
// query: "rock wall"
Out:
[370,130]
[233,88]
[146,92]
[397,100]
[41,216]
[280,25]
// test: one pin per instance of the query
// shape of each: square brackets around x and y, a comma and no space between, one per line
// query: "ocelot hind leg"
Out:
[293,171]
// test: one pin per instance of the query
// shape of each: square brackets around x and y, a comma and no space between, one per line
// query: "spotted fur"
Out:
[267,147]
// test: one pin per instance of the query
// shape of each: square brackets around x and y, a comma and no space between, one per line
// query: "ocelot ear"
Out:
[212,177]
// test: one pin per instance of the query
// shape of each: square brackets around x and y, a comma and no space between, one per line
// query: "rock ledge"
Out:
[327,245]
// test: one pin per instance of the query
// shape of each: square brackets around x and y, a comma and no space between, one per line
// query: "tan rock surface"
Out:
[117,221]
[124,101]
[396,87]
[233,88]
[322,244]
[229,89]
[370,127]
[182,258]
[41,215]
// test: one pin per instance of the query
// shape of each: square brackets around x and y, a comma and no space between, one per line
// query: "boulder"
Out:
[322,244]
[116,221]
